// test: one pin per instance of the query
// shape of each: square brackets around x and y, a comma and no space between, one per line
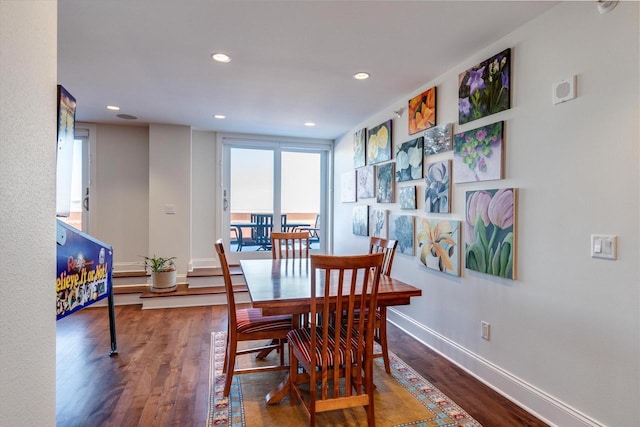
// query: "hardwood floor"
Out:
[160,376]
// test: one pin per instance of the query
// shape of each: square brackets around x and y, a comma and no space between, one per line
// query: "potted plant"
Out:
[163,273]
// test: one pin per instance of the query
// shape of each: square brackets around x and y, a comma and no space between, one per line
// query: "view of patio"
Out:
[252,231]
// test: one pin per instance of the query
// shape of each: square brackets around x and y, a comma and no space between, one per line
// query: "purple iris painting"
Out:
[490,232]
[484,89]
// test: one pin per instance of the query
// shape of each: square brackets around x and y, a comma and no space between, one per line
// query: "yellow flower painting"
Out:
[379,143]
[439,245]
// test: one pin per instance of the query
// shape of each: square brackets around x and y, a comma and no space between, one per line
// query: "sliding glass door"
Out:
[269,185]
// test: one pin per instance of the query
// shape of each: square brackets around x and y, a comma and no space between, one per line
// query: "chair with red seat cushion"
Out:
[249,325]
[328,353]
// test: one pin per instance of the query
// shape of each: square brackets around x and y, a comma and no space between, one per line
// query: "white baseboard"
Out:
[128,266]
[527,396]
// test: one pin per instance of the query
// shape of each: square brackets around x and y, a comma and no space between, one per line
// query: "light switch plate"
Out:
[604,246]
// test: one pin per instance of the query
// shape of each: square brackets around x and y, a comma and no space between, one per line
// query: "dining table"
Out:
[283,286]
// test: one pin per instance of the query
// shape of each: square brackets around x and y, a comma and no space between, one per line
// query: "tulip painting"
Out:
[409,160]
[359,158]
[484,89]
[379,143]
[490,232]
[439,245]
[422,111]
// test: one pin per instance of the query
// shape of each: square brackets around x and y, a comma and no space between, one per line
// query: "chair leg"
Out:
[293,374]
[383,339]
[233,347]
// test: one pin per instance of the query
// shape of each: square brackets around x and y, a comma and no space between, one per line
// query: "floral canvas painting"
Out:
[422,111]
[378,223]
[348,186]
[490,239]
[484,89]
[401,229]
[385,181]
[359,152]
[365,183]
[438,139]
[379,143]
[409,160]
[437,191]
[439,244]
[477,154]
[360,220]
[407,197]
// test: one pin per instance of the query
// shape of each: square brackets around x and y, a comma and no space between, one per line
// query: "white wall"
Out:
[203,203]
[28,34]
[121,199]
[565,335]
[170,184]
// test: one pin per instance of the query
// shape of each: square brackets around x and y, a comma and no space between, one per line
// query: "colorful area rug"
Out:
[402,399]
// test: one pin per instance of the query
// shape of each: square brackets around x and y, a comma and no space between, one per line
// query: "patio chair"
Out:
[314,232]
[329,351]
[261,230]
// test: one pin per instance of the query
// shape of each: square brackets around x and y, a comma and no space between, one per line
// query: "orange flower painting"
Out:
[422,111]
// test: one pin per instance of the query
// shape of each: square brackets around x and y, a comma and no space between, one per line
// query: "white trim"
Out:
[203,263]
[535,401]
[128,266]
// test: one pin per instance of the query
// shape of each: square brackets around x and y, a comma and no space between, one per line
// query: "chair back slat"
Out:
[290,245]
[388,248]
[228,286]
[356,280]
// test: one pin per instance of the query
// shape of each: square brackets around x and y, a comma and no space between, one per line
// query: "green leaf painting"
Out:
[490,232]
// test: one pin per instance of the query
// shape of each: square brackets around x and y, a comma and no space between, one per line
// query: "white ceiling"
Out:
[292,61]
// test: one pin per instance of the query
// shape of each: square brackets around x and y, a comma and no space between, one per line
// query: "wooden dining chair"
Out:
[290,245]
[388,248]
[248,324]
[327,352]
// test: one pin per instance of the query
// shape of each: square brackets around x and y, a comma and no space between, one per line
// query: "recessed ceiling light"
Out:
[310,124]
[361,76]
[219,116]
[221,57]
[113,107]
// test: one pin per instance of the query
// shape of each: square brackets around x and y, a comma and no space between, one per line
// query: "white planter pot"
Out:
[164,281]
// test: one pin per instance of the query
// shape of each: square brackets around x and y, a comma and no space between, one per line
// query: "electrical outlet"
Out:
[485,331]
